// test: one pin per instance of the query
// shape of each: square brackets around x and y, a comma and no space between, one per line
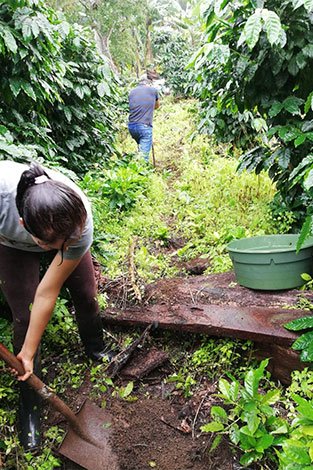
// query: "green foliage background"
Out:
[255,86]
[58,97]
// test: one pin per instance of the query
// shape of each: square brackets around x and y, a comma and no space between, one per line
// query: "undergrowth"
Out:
[194,194]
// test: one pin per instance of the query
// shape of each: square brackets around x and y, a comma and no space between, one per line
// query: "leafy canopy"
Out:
[255,83]
[58,97]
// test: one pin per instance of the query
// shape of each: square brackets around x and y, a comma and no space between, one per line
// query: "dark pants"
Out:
[19,279]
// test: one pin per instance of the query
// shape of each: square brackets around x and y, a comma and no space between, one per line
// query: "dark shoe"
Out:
[29,412]
[29,417]
[100,356]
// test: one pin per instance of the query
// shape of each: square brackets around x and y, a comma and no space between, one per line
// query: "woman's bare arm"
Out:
[42,309]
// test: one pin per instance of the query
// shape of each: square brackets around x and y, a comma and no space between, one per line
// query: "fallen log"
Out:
[143,363]
[119,361]
[259,324]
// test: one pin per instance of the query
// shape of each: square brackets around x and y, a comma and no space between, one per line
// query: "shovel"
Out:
[86,442]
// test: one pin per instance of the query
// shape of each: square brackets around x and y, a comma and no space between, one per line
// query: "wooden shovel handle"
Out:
[43,390]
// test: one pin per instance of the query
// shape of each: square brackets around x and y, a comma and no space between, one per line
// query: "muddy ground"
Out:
[160,428]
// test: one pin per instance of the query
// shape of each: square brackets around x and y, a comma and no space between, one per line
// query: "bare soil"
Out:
[159,429]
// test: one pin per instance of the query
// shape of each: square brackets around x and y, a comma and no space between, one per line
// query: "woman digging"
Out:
[43,214]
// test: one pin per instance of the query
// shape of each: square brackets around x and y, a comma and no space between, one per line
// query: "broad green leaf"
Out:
[267,410]
[306,277]
[79,90]
[125,392]
[252,29]
[300,140]
[15,86]
[103,89]
[305,408]
[301,60]
[271,397]
[27,29]
[300,323]
[224,388]
[29,90]
[300,400]
[297,3]
[292,104]
[272,25]
[307,430]
[234,434]
[253,422]
[297,453]
[283,429]
[3,130]
[284,156]
[77,42]
[68,113]
[309,103]
[244,430]
[9,40]
[293,68]
[307,353]
[308,50]
[248,458]
[17,150]
[35,28]
[259,124]
[253,377]
[216,442]
[275,109]
[308,4]
[309,136]
[308,180]
[308,160]
[264,442]
[214,426]
[219,413]
[307,126]
[288,133]
[234,390]
[64,28]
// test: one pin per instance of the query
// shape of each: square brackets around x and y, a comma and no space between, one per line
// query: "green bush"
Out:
[173,51]
[255,85]
[58,96]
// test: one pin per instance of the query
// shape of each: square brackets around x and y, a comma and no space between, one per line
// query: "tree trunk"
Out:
[137,64]
[103,44]
[148,45]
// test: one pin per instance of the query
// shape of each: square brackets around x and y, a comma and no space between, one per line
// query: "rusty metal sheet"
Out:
[254,323]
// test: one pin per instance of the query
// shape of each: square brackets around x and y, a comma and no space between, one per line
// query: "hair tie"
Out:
[41,179]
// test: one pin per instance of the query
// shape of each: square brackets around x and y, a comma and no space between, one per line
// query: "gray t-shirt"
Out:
[141,104]
[13,234]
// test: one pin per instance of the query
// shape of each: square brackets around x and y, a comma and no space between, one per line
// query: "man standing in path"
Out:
[143,100]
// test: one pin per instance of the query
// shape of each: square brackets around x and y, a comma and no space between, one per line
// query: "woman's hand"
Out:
[28,364]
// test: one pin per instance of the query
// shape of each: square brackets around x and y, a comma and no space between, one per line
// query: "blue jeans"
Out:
[142,134]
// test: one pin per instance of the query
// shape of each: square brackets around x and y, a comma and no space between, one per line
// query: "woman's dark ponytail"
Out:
[50,209]
[27,180]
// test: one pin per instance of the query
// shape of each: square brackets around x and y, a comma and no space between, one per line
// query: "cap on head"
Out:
[144,80]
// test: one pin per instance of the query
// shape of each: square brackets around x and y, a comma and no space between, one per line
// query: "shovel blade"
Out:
[93,456]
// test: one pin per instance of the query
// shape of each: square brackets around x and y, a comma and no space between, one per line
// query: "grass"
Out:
[194,193]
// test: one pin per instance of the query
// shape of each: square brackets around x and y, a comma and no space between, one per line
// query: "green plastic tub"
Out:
[270,262]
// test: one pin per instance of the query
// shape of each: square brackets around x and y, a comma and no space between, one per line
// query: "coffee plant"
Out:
[256,88]
[58,97]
